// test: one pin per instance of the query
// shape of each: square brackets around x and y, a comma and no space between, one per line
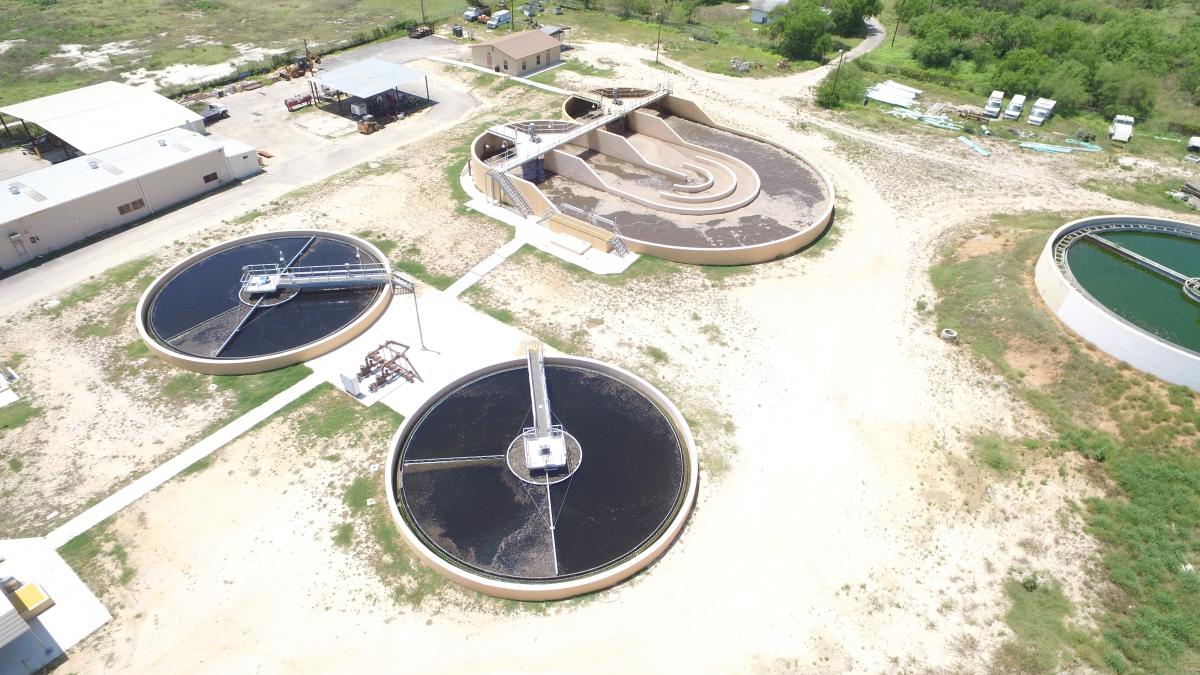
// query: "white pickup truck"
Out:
[995,104]
[1042,109]
[1121,128]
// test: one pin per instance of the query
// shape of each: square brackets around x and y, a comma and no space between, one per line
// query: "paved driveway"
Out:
[301,156]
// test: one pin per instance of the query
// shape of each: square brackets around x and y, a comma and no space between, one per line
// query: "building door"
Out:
[18,243]
[489,58]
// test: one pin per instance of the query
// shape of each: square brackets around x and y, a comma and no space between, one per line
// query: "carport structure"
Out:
[371,80]
[102,116]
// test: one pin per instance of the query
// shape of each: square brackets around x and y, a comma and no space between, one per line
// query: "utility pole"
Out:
[658,40]
[899,10]
[837,73]
[422,12]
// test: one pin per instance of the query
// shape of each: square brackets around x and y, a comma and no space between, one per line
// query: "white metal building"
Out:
[54,207]
[760,10]
[105,115]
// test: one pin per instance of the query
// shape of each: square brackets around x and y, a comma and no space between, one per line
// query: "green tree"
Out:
[1124,89]
[1138,39]
[801,29]
[1022,71]
[1068,85]
[1005,33]
[847,87]
[936,49]
[849,16]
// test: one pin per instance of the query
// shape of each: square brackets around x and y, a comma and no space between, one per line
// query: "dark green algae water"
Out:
[1143,298]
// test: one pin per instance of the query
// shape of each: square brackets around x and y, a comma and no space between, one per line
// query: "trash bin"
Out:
[456,30]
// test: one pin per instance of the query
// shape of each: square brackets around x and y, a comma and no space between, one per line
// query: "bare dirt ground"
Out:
[842,523]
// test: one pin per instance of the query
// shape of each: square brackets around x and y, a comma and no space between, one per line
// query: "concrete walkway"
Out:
[171,468]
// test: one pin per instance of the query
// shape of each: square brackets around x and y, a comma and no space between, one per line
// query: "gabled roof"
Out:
[523,44]
[766,5]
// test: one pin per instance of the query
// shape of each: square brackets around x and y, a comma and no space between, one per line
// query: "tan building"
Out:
[517,54]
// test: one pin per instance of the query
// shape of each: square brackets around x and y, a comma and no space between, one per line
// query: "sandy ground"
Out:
[841,525]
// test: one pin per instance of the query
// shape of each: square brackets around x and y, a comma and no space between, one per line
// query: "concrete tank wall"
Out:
[1096,324]
[565,589]
[260,364]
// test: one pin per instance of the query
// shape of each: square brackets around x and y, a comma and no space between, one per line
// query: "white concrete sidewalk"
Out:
[170,468]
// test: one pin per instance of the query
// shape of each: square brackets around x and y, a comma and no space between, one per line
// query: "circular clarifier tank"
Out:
[1130,284]
[265,301]
[468,502]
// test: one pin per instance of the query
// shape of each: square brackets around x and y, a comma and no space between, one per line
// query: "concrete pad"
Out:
[76,613]
[458,339]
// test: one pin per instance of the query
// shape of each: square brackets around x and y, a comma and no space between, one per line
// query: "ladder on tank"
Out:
[510,190]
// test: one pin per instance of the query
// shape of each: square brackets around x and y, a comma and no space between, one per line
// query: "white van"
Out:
[499,19]
[995,104]
[1015,106]
[1042,109]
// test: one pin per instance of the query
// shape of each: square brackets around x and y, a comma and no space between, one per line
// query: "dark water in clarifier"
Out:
[628,487]
[1141,297]
[208,290]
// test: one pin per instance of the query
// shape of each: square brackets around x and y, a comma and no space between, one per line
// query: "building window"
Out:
[131,206]
[539,60]
[210,178]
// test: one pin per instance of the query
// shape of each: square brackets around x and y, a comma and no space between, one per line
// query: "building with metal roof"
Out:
[368,77]
[54,207]
[104,115]
[519,53]
[760,10]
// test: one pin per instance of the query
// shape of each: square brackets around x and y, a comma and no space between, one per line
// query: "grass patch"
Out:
[1037,618]
[197,466]
[358,493]
[993,451]
[14,360]
[109,280]
[15,415]
[418,271]
[248,217]
[251,391]
[1149,192]
[1148,525]
[15,464]
[339,415]
[378,240]
[99,558]
[656,354]
[344,535]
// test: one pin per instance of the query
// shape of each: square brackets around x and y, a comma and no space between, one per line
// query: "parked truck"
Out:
[1015,107]
[1121,128]
[213,112]
[994,105]
[500,18]
[1042,109]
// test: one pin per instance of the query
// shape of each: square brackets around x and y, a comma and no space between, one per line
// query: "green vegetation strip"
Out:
[1149,527]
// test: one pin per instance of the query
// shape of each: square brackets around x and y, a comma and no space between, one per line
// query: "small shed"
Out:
[760,10]
[518,54]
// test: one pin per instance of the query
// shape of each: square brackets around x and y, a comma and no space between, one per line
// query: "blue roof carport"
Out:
[370,77]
